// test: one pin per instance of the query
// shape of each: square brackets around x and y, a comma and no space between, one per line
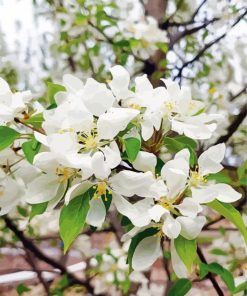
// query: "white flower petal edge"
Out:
[146,253]
[115,120]
[177,264]
[209,161]
[191,227]
[97,212]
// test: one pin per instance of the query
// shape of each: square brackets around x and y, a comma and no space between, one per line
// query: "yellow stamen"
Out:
[196,179]
[135,106]
[65,174]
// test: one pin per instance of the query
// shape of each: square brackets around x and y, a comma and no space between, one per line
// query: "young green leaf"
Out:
[180,288]
[220,177]
[186,250]
[231,214]
[73,217]
[225,275]
[52,89]
[181,142]
[21,289]
[30,149]
[7,136]
[132,146]
[241,287]
[136,240]
[38,209]
[35,120]
[242,174]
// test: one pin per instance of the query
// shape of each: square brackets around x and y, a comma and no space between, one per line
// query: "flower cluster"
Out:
[98,147]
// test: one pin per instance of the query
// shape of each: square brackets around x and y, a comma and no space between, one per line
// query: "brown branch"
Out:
[28,244]
[241,92]
[233,126]
[167,23]
[179,35]
[208,45]
[39,130]
[210,275]
[31,261]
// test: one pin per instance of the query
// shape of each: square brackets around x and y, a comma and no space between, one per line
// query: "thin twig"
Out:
[28,244]
[210,275]
[233,127]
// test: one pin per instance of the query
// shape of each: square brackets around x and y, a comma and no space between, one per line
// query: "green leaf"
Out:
[132,146]
[187,141]
[73,217]
[30,149]
[162,46]
[7,136]
[225,275]
[136,240]
[35,120]
[180,288]
[21,288]
[220,178]
[218,252]
[241,287]
[38,209]
[178,143]
[186,250]
[52,89]
[231,214]
[242,174]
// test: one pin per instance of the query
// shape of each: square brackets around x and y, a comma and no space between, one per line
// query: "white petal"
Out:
[120,82]
[41,138]
[175,172]
[112,155]
[172,87]
[137,213]
[226,193]
[177,264]
[130,183]
[145,161]
[72,83]
[204,194]
[209,161]
[194,130]
[171,227]
[97,212]
[46,161]
[76,190]
[185,154]
[97,97]
[191,227]
[156,212]
[189,207]
[115,120]
[42,189]
[143,84]
[146,253]
[4,87]
[100,169]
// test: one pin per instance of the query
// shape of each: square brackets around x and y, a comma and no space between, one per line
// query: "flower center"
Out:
[170,106]
[101,189]
[196,179]
[135,106]
[165,203]
[65,174]
[88,140]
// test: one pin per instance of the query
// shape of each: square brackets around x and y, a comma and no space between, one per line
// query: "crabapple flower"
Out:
[169,104]
[148,34]
[12,104]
